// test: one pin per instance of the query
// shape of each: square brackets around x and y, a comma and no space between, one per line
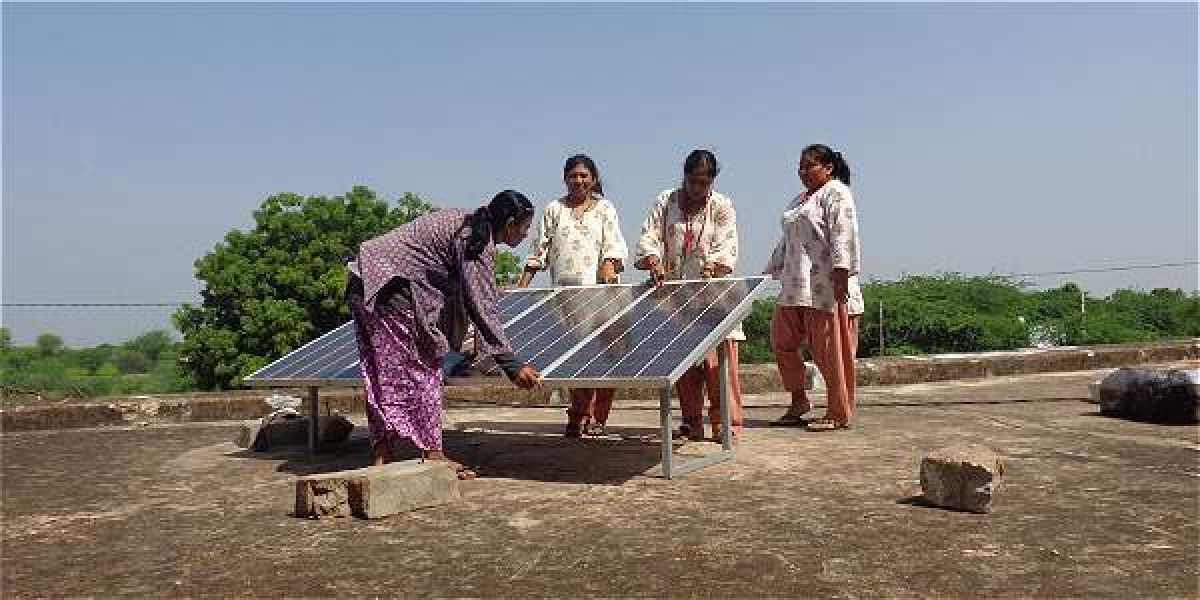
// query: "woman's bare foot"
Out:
[461,470]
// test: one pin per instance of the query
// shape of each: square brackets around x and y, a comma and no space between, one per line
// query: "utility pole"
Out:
[881,326]
[1083,314]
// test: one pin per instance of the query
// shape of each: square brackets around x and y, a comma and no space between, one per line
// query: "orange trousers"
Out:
[833,340]
[591,404]
[692,386]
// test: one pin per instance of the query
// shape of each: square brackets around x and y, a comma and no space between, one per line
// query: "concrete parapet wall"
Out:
[755,379]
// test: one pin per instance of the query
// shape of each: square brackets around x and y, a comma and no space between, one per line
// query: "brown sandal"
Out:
[691,431]
[790,420]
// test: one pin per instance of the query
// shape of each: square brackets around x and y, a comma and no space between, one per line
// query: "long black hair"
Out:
[590,165]
[701,159]
[827,156]
[507,207]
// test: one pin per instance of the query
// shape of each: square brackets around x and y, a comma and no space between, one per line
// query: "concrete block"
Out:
[376,492]
[332,429]
[961,477]
[248,433]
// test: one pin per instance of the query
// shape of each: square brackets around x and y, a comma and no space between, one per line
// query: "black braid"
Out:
[507,207]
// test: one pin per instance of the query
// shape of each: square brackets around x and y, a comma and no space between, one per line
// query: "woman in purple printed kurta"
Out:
[412,292]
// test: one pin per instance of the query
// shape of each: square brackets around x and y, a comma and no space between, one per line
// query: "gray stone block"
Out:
[376,492]
[1167,396]
[961,477]
[331,429]
[248,433]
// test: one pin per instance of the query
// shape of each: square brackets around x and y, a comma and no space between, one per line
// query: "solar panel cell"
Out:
[660,329]
[719,301]
[592,312]
[515,302]
[301,360]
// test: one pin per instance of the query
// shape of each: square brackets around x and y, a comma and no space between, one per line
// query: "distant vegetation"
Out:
[146,364]
[957,313]
[269,290]
[922,314]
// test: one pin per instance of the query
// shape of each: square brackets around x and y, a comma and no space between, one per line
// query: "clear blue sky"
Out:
[984,138]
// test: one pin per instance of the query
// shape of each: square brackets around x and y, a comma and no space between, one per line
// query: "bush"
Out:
[957,313]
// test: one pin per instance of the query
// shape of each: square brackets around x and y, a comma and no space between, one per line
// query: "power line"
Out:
[1108,269]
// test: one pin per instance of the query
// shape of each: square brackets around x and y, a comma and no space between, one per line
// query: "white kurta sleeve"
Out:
[612,243]
[843,230]
[774,266]
[650,242]
[723,245]
[541,242]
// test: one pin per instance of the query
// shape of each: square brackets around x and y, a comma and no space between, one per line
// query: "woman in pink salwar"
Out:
[691,233]
[412,292]
[817,263]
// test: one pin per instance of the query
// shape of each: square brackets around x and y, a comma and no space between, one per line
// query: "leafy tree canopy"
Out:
[269,290]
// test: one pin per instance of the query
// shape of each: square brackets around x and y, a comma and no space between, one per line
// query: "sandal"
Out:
[693,433]
[790,420]
[825,425]
[573,430]
[594,429]
[716,436]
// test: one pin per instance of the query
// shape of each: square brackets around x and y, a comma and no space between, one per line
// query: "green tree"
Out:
[90,359]
[6,342]
[151,344]
[508,268]
[50,344]
[268,290]
[129,361]
[757,327]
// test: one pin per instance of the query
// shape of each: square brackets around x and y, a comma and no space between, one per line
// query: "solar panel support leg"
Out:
[726,396]
[314,417]
[664,411]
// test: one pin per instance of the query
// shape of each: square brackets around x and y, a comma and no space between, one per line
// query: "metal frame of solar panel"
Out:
[629,335]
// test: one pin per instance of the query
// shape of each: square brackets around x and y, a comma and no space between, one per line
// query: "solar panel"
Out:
[614,335]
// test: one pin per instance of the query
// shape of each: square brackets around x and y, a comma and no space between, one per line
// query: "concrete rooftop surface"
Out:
[1089,506]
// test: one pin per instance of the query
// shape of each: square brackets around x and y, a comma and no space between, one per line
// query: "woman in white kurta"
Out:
[817,263]
[691,233]
[579,241]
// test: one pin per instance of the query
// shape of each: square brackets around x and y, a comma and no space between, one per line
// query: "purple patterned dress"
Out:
[402,339]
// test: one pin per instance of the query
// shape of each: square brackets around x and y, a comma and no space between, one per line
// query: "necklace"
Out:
[692,239]
[581,209]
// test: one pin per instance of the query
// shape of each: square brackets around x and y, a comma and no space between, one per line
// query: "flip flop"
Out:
[825,425]
[790,420]
[686,431]
[594,430]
